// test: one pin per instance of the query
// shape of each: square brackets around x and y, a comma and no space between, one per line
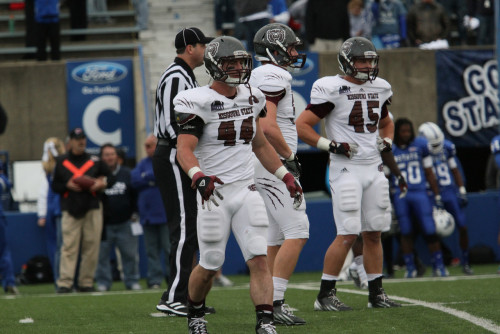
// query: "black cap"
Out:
[190,36]
[77,133]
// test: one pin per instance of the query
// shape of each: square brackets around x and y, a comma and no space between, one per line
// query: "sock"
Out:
[358,260]
[280,285]
[363,277]
[409,262]
[437,258]
[374,285]
[264,313]
[326,286]
[196,309]
[465,257]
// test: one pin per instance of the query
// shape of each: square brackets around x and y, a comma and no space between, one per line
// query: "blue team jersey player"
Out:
[451,184]
[413,158]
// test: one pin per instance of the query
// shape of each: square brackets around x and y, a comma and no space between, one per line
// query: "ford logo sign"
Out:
[99,73]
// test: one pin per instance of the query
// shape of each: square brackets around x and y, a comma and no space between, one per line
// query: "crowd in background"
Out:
[323,24]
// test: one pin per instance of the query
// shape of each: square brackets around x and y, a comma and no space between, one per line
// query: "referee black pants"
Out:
[180,206]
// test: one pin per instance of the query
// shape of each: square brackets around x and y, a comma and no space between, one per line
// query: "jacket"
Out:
[77,203]
[149,200]
[119,200]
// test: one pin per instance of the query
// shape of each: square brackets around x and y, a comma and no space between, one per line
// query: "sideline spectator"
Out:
[81,212]
[279,11]
[427,22]
[327,24]
[119,203]
[6,271]
[483,10]
[142,13]
[98,7]
[389,23]
[224,17]
[3,119]
[360,19]
[298,21]
[49,205]
[47,24]
[152,215]
[456,10]
[78,17]
[253,15]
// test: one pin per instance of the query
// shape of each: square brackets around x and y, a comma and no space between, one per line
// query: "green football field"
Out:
[457,304]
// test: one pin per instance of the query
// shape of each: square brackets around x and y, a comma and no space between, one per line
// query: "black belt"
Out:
[167,142]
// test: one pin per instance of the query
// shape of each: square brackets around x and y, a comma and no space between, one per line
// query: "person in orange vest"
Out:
[79,178]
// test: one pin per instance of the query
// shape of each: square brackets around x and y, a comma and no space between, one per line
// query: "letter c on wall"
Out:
[91,117]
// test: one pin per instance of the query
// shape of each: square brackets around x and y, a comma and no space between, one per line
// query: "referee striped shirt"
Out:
[177,77]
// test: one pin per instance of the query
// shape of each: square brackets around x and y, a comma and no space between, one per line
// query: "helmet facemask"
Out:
[363,73]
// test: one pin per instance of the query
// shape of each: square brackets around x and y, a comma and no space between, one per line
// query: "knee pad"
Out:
[255,246]
[212,259]
[349,197]
[378,223]
[210,230]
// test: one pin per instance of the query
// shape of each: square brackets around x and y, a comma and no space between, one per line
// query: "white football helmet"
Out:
[445,224]
[434,136]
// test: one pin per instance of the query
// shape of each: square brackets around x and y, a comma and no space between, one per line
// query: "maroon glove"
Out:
[206,187]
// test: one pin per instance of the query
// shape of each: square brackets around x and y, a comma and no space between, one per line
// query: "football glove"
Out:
[403,186]
[349,150]
[294,188]
[384,145]
[462,197]
[293,165]
[206,187]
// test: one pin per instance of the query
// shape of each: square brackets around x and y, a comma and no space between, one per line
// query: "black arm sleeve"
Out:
[193,126]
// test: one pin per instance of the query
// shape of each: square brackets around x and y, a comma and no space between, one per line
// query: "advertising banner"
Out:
[101,102]
[467,89]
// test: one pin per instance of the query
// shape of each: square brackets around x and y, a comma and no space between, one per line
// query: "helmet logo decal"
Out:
[275,35]
[213,48]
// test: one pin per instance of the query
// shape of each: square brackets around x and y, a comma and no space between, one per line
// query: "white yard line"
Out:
[481,322]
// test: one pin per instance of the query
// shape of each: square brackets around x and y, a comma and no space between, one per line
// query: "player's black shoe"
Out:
[178,309]
[283,314]
[197,325]
[330,303]
[265,326]
[467,270]
[380,300]
[173,308]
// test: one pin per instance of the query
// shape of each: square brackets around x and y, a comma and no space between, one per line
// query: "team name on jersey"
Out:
[235,113]
[406,156]
[362,96]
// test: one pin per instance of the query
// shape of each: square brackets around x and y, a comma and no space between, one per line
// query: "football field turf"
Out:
[457,304]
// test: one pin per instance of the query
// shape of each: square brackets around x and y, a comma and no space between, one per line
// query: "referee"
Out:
[175,186]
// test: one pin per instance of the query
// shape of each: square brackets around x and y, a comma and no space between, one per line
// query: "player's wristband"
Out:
[291,157]
[462,190]
[323,144]
[281,172]
[438,198]
[193,171]
[389,140]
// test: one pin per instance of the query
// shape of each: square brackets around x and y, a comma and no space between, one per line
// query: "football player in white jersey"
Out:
[358,128]
[274,46]
[219,130]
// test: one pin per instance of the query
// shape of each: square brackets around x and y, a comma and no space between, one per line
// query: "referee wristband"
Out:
[281,172]
[193,171]
[323,144]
